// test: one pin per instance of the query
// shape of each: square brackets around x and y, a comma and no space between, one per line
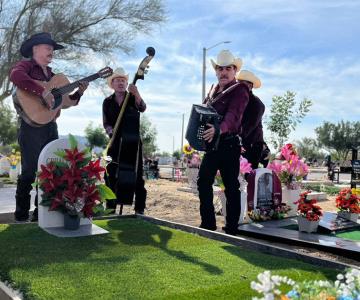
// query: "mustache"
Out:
[224,77]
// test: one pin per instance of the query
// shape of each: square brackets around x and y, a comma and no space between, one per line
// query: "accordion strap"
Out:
[212,100]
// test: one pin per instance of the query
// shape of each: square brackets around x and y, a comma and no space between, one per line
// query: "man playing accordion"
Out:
[229,98]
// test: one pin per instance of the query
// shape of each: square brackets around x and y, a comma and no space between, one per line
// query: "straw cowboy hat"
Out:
[226,58]
[249,76]
[118,72]
[37,39]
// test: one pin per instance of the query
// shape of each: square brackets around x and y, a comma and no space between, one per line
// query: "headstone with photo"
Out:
[264,189]
[53,221]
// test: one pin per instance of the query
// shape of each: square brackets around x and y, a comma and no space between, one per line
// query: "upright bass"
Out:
[123,147]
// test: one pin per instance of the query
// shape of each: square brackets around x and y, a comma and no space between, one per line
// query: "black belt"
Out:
[230,138]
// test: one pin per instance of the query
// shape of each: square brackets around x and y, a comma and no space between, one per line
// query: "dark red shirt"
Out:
[252,130]
[25,71]
[231,104]
[111,110]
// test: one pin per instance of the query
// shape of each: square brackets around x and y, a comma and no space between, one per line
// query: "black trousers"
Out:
[226,160]
[253,154]
[31,140]
[140,191]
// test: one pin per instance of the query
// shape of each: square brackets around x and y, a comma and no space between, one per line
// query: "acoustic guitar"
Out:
[33,107]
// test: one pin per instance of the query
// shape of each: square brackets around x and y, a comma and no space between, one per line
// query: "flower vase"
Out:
[192,175]
[222,198]
[13,173]
[348,215]
[71,222]
[243,199]
[290,196]
[306,225]
[243,183]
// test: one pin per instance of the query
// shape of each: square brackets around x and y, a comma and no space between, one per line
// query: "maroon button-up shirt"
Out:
[25,71]
[231,104]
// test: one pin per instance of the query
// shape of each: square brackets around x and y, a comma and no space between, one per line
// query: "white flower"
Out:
[340,276]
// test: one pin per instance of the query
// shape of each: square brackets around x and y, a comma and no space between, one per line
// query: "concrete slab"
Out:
[275,231]
[319,196]
[84,230]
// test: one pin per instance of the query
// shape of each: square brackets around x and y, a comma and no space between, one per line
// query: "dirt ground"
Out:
[166,200]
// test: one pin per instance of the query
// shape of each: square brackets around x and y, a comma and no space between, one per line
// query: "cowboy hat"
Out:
[118,72]
[249,76]
[37,39]
[226,58]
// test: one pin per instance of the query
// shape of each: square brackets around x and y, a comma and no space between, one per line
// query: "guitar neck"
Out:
[70,87]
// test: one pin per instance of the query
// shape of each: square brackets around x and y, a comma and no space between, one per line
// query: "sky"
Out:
[308,47]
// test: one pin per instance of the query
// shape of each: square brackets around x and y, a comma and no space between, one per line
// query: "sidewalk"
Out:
[7,201]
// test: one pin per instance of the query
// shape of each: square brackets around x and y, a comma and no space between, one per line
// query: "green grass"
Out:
[137,260]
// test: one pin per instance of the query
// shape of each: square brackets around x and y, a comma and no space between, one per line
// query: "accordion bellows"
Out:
[199,117]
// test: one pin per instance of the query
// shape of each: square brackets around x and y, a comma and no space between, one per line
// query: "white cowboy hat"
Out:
[118,72]
[226,58]
[249,76]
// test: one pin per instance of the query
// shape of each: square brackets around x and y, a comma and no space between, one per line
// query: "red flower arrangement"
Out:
[73,184]
[307,208]
[348,201]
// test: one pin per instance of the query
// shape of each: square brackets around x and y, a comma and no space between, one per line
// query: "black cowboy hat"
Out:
[37,39]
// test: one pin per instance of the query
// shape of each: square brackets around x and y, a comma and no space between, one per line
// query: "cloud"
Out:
[307,47]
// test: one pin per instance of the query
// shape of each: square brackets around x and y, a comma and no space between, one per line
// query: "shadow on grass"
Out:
[146,234]
[27,247]
[271,262]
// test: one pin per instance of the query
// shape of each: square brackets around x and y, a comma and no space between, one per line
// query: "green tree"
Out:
[148,136]
[285,116]
[340,137]
[308,148]
[96,136]
[83,26]
[177,154]
[8,125]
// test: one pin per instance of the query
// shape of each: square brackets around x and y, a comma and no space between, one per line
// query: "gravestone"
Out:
[264,189]
[53,221]
[333,222]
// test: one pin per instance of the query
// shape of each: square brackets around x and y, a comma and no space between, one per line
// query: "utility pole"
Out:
[204,67]
[182,132]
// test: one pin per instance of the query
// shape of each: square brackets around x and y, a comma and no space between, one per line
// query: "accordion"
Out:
[199,117]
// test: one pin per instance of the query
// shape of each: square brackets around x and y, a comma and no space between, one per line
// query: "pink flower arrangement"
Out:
[289,167]
[245,166]
[195,161]
[192,157]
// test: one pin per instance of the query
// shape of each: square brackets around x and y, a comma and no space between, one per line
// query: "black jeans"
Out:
[226,160]
[253,154]
[31,140]
[140,191]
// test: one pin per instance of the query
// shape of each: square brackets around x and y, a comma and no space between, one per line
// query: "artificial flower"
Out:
[73,184]
[289,167]
[307,208]
[348,201]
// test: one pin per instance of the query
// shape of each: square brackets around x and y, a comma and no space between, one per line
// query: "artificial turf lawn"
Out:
[353,235]
[137,260]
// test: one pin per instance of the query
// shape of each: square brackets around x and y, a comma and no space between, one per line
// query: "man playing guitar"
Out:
[32,137]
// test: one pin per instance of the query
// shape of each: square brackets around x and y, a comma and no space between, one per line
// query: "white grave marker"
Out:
[53,221]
